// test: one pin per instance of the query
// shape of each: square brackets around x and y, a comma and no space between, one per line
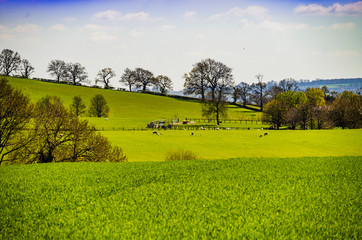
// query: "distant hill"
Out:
[338,85]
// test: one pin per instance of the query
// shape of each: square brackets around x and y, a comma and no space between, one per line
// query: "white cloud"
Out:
[168,27]
[345,54]
[93,27]
[335,9]
[112,15]
[3,28]
[343,26]
[257,12]
[102,37]
[134,33]
[28,28]
[58,27]
[189,15]
[199,36]
[6,37]
[70,19]
[277,26]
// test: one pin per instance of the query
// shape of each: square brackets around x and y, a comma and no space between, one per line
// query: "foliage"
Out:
[78,106]
[58,136]
[274,112]
[9,61]
[98,106]
[15,113]
[181,154]
[346,110]
[143,78]
[250,198]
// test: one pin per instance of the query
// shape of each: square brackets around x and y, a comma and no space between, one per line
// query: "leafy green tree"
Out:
[315,100]
[59,136]
[346,110]
[274,112]
[98,106]
[15,113]
[78,106]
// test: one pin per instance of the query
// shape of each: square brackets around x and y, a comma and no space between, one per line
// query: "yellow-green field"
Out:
[127,109]
[223,144]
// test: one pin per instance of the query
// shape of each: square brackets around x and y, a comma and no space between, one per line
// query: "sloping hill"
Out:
[128,109]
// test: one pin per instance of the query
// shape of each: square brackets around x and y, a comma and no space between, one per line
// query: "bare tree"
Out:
[9,61]
[195,83]
[260,91]
[26,69]
[143,78]
[15,113]
[58,68]
[76,73]
[163,83]
[288,84]
[220,79]
[128,78]
[104,76]
[244,92]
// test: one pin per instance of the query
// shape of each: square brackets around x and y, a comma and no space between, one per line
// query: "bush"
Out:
[181,154]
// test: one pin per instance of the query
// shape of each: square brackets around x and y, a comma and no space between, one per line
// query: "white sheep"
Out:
[217,128]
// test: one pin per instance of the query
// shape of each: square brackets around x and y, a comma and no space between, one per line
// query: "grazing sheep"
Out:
[106,119]
[192,133]
[217,128]
[227,128]
[155,132]
[261,128]
[261,136]
[266,134]
[160,134]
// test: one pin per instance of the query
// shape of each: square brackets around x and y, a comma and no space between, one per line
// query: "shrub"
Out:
[181,154]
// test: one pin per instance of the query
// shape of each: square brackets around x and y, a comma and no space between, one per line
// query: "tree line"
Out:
[213,82]
[47,132]
[75,73]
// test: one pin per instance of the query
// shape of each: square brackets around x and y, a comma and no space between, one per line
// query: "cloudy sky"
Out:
[279,39]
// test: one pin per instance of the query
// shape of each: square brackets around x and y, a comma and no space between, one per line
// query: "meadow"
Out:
[128,109]
[249,198]
[223,144]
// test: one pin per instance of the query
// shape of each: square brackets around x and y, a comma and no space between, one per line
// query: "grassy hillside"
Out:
[128,109]
[299,198]
[210,144]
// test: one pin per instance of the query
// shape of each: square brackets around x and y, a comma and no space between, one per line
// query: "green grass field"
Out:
[128,109]
[212,144]
[269,198]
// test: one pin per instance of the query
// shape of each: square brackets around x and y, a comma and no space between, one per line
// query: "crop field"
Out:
[252,198]
[223,144]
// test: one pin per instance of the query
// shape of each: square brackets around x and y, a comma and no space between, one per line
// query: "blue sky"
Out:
[279,39]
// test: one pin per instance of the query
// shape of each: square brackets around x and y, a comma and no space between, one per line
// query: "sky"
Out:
[278,39]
